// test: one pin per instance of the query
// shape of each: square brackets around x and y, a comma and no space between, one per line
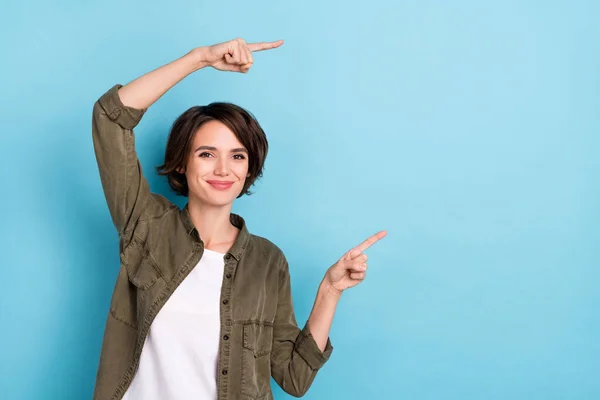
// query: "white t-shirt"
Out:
[180,354]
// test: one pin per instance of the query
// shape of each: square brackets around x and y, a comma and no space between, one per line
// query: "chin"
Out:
[216,201]
[221,203]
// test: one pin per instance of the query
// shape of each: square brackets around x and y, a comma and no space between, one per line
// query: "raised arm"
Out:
[121,108]
[234,55]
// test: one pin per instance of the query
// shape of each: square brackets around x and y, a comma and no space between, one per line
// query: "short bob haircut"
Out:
[241,122]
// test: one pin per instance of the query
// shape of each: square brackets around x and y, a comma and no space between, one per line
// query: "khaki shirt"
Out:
[159,246]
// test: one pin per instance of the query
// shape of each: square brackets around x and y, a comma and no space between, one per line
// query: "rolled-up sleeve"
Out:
[117,112]
[295,357]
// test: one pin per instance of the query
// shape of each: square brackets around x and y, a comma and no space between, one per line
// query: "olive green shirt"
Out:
[159,246]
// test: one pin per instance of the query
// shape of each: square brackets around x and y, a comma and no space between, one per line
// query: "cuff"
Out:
[127,117]
[309,350]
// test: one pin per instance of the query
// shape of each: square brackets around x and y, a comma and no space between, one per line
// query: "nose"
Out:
[222,167]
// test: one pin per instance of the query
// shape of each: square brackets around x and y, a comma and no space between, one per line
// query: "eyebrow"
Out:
[236,150]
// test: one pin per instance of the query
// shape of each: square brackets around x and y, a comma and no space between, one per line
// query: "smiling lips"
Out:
[220,185]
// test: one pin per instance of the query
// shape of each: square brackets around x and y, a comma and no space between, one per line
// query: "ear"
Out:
[181,170]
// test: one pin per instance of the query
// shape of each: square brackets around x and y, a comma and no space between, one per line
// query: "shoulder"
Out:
[269,250]
[265,245]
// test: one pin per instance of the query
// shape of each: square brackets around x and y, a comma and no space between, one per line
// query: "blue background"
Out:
[469,130]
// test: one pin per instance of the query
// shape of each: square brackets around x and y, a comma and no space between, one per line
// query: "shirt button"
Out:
[226,337]
[225,301]
[224,372]
[228,276]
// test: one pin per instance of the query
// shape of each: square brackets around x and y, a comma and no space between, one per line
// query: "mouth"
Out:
[220,185]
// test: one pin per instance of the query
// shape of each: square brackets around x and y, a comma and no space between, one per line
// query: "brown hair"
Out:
[241,122]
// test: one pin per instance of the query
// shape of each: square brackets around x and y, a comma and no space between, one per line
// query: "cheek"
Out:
[241,171]
[199,167]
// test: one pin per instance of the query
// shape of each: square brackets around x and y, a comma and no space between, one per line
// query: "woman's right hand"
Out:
[234,55]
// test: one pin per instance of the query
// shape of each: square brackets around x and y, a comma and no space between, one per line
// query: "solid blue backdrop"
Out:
[469,130]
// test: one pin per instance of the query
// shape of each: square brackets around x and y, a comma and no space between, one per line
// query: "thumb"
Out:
[351,255]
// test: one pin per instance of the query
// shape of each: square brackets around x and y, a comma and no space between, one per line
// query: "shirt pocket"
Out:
[142,273]
[256,360]
[142,270]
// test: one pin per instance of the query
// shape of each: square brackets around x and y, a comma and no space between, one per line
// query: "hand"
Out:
[351,269]
[234,55]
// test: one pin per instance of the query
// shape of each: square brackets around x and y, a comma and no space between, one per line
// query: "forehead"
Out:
[217,134]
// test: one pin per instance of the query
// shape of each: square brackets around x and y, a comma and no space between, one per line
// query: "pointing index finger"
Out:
[264,45]
[370,241]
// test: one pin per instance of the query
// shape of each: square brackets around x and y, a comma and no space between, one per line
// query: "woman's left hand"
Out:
[351,269]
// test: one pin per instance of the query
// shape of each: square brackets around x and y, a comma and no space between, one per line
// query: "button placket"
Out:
[226,317]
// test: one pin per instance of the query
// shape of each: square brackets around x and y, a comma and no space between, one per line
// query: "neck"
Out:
[211,222]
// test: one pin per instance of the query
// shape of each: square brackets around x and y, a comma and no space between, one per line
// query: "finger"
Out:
[247,58]
[360,267]
[370,241]
[354,266]
[361,258]
[359,276]
[243,51]
[351,255]
[245,68]
[233,54]
[250,59]
[264,45]
[248,54]
[239,55]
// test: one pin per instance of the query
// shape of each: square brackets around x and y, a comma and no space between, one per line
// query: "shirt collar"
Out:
[241,241]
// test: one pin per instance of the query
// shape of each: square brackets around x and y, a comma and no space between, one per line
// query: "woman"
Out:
[201,308]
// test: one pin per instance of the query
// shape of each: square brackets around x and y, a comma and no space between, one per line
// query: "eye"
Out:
[205,154]
[241,157]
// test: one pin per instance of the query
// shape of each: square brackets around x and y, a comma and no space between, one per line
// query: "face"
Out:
[217,165]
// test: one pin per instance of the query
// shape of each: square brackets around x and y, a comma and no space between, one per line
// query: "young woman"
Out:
[201,309]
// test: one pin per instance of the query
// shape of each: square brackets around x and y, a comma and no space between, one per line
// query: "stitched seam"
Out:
[146,253]
[128,175]
[155,265]
[244,245]
[115,316]
[252,321]
[245,386]
[135,240]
